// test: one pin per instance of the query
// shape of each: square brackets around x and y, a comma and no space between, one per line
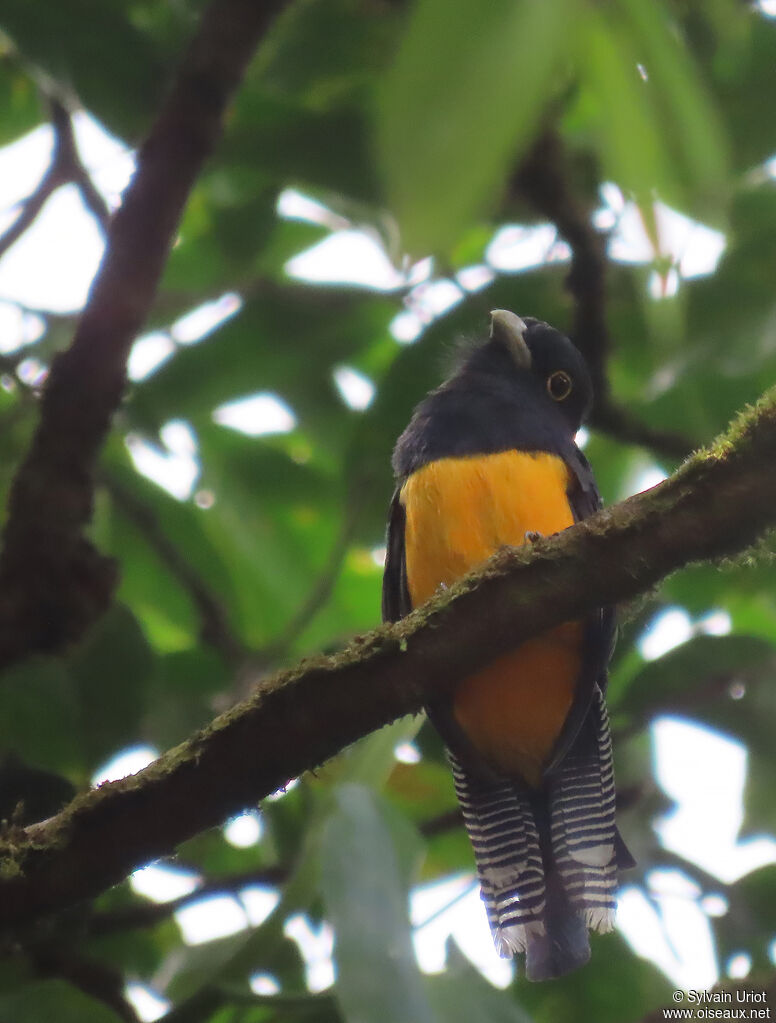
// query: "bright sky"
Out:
[51,267]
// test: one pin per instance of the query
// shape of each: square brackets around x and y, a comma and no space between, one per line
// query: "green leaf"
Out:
[591,992]
[750,923]
[181,700]
[282,142]
[39,714]
[658,129]
[468,86]
[264,348]
[111,670]
[630,136]
[53,1000]
[366,902]
[358,37]
[19,101]
[692,677]
[116,69]
[690,123]
[462,995]
[742,79]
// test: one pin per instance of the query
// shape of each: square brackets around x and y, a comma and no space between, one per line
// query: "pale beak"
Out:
[508,329]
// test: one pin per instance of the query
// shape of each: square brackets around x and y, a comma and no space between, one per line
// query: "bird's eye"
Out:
[559,385]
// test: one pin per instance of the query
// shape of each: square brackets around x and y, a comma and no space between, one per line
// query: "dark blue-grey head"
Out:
[540,359]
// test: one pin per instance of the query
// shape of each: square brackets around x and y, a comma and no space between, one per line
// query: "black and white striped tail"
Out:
[547,859]
[507,851]
[582,821]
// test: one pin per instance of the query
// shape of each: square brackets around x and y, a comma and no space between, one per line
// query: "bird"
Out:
[489,460]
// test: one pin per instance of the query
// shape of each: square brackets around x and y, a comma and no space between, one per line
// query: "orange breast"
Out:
[458,512]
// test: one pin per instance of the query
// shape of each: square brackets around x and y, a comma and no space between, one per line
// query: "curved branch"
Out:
[721,501]
[54,584]
[544,181]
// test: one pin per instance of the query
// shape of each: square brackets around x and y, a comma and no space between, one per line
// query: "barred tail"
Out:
[582,815]
[503,834]
[547,859]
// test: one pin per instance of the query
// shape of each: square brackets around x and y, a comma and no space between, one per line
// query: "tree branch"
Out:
[54,584]
[97,980]
[149,914]
[60,171]
[542,178]
[721,501]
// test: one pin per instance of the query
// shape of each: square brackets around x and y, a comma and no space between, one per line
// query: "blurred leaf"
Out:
[19,101]
[259,350]
[468,86]
[591,994]
[629,132]
[53,1000]
[182,699]
[357,43]
[40,793]
[39,714]
[742,79]
[111,669]
[680,101]
[750,922]
[282,142]
[463,996]
[116,69]
[693,676]
[366,901]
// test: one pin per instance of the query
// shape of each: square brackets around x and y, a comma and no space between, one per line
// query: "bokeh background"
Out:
[390,172]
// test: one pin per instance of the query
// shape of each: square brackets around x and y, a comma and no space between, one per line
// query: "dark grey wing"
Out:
[600,627]
[396,595]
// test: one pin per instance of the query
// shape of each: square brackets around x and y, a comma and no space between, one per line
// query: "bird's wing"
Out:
[396,594]
[600,627]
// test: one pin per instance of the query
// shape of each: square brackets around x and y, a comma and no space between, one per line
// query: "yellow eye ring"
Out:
[559,385]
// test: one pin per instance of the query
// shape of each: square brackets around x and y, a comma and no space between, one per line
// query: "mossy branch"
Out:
[717,504]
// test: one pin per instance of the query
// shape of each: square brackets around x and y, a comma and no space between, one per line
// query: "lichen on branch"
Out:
[721,501]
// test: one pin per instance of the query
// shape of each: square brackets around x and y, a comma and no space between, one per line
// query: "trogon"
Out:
[488,460]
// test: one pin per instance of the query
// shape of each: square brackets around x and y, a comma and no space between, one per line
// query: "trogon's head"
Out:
[540,358]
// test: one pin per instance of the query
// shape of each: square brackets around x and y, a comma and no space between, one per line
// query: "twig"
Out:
[542,178]
[149,914]
[54,584]
[58,173]
[214,626]
[65,168]
[201,1005]
[618,422]
[95,979]
[718,503]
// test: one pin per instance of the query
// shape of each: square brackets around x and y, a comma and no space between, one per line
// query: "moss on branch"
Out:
[719,502]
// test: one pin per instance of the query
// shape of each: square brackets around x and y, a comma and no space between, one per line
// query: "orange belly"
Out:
[458,512]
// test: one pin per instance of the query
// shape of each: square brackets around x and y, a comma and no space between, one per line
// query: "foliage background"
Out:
[429,126]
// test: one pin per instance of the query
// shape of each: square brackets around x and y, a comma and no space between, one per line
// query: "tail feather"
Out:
[547,860]
[565,945]
[508,855]
[583,829]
